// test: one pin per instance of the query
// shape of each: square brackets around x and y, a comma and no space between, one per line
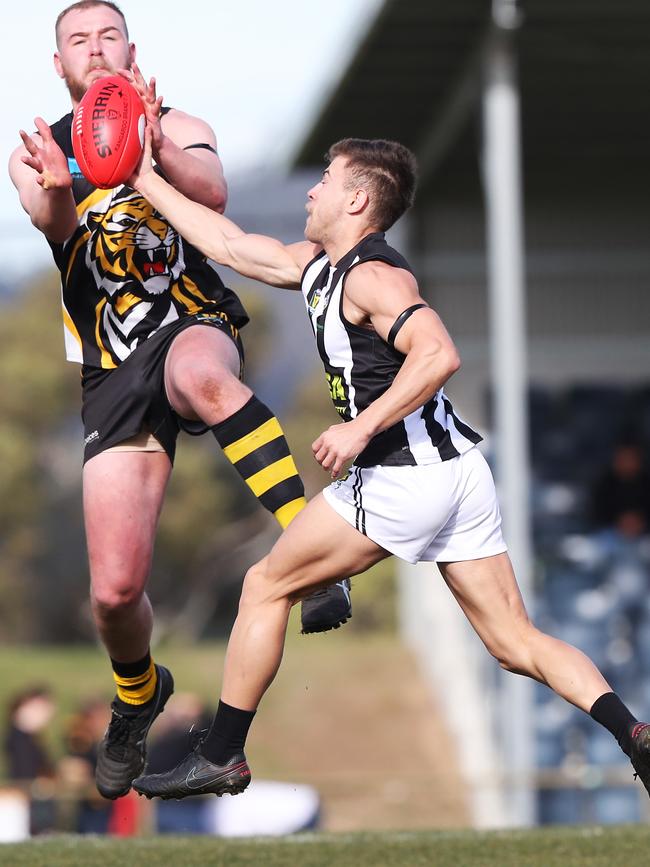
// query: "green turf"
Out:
[621,846]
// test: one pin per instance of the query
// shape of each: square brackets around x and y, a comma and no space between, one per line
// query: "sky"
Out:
[256,71]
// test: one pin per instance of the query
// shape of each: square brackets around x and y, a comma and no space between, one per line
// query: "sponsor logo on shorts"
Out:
[212,318]
[219,320]
[91,437]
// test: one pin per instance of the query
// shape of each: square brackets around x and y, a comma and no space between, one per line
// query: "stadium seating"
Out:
[592,592]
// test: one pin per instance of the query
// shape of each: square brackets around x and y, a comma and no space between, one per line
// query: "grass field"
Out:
[554,847]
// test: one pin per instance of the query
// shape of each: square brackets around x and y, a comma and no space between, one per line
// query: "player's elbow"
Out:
[219,197]
[447,360]
[452,361]
[218,203]
[56,232]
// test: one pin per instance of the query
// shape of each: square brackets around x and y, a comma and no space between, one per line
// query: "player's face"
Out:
[92,43]
[327,202]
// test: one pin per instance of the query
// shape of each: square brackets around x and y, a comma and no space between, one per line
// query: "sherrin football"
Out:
[108,132]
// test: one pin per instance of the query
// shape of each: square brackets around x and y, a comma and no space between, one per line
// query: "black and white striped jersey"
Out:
[360,367]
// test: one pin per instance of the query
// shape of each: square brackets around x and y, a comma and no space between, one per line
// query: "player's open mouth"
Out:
[155,263]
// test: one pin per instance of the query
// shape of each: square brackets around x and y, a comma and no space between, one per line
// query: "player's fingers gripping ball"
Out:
[108,132]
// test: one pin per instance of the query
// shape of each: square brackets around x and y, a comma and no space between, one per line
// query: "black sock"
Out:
[227,734]
[254,443]
[609,711]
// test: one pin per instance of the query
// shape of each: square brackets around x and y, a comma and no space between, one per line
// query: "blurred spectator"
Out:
[27,758]
[83,732]
[28,716]
[621,497]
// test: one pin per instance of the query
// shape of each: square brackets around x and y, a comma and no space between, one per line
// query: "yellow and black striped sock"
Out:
[254,443]
[135,681]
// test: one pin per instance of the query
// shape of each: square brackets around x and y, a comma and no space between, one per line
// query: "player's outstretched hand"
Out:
[151,102]
[46,158]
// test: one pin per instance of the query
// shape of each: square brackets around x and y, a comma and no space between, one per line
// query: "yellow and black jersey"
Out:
[126,272]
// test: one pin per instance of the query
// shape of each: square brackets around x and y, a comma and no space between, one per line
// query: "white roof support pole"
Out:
[506,284]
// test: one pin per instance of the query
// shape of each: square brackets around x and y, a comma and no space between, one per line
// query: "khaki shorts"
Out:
[141,442]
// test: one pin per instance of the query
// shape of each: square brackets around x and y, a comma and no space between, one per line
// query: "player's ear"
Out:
[131,53]
[58,65]
[359,201]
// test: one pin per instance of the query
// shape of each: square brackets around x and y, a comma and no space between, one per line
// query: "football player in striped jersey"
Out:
[418,486]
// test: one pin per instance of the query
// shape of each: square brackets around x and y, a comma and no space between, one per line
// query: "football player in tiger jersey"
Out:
[157,335]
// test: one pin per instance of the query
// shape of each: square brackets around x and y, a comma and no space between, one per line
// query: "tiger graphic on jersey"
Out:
[136,260]
[126,273]
[131,245]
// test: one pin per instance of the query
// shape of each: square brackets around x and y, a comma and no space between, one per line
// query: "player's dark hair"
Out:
[389,171]
[88,4]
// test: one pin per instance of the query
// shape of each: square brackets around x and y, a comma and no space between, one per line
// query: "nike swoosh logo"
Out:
[192,781]
[345,590]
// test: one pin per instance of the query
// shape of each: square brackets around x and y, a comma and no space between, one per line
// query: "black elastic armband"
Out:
[205,145]
[401,319]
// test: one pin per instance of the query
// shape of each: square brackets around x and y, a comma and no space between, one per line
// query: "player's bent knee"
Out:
[513,663]
[516,656]
[113,601]
[199,382]
[261,586]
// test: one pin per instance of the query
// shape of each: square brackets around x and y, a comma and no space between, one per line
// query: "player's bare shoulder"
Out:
[186,129]
[302,253]
[376,284]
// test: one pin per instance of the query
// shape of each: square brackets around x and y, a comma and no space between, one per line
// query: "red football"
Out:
[108,132]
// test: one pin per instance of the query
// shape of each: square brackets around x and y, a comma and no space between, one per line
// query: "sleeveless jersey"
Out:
[360,367]
[126,272]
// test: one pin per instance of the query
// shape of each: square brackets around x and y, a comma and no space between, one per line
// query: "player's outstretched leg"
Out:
[122,753]
[315,549]
[488,594]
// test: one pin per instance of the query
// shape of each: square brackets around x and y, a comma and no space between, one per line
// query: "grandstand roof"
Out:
[584,72]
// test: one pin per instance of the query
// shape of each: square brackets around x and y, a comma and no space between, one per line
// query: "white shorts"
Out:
[446,511]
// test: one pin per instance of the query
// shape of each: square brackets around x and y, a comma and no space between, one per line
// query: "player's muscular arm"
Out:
[255,256]
[375,295]
[383,292]
[39,171]
[195,172]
